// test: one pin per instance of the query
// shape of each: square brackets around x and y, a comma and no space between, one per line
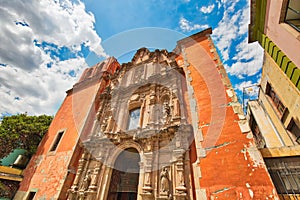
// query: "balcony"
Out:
[265,119]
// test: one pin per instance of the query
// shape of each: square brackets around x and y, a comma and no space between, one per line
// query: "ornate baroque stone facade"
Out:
[154,84]
[166,125]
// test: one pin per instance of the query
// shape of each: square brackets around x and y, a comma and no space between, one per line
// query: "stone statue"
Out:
[149,145]
[167,112]
[181,179]
[86,181]
[164,181]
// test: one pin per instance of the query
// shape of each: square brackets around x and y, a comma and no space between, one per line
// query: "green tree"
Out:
[22,131]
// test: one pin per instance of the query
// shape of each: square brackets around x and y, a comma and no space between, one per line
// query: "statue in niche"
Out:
[148,145]
[167,113]
[104,125]
[181,179]
[165,180]
[147,178]
[86,181]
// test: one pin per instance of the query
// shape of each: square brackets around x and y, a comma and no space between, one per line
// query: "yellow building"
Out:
[275,116]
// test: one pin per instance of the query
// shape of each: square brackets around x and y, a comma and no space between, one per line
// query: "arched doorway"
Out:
[125,176]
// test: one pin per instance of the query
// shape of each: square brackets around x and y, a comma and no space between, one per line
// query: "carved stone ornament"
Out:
[86,182]
[160,139]
[164,181]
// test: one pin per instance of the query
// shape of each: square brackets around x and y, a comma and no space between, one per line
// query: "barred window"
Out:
[285,173]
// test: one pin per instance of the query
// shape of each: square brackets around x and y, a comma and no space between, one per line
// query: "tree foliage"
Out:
[22,131]
[8,189]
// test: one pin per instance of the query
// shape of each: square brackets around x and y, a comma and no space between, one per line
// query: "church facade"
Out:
[166,125]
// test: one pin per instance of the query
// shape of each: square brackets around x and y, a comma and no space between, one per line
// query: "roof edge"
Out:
[195,36]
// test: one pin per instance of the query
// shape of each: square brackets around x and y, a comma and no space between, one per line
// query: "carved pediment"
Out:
[143,55]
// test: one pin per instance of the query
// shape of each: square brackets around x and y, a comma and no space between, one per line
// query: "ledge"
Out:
[10,170]
[280,151]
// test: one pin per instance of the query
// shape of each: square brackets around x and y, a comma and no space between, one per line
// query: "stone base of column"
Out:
[147,196]
[180,196]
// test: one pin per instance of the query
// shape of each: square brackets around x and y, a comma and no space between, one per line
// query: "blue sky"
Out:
[45,45]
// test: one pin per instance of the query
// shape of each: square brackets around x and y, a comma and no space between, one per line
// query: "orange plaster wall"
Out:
[49,172]
[228,170]
[47,169]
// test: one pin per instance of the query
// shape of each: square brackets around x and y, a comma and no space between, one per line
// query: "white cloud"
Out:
[226,32]
[246,51]
[187,26]
[248,58]
[219,4]
[244,20]
[207,9]
[61,23]
[241,86]
[26,84]
[40,91]
[249,89]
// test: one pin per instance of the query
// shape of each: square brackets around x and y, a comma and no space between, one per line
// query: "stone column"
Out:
[95,177]
[147,113]
[92,192]
[180,183]
[95,127]
[152,101]
[176,109]
[110,123]
[142,113]
[81,166]
[147,188]
[180,186]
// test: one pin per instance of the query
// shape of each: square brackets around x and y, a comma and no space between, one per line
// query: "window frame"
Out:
[275,100]
[287,9]
[258,137]
[29,196]
[129,128]
[58,138]
[291,128]
[284,173]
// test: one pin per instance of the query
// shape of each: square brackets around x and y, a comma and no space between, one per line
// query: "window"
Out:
[292,16]
[31,195]
[275,99]
[134,119]
[57,140]
[285,173]
[294,130]
[259,139]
